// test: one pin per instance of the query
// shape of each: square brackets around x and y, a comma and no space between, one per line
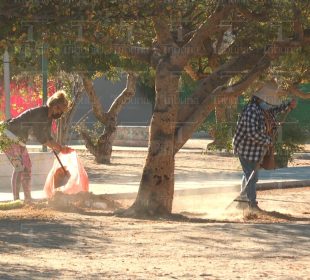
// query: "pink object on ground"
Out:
[78,180]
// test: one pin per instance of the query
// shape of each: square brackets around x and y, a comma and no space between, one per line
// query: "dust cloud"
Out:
[209,203]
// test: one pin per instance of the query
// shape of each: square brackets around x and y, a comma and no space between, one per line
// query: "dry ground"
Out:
[39,242]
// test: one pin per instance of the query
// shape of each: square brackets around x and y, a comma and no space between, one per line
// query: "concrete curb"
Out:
[283,185]
[218,190]
[215,190]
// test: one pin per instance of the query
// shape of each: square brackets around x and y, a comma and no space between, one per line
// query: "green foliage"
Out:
[93,132]
[146,83]
[82,36]
[188,85]
[290,141]
[284,153]
[222,133]
[4,141]
[293,68]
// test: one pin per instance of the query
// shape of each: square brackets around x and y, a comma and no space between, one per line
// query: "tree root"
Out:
[138,213]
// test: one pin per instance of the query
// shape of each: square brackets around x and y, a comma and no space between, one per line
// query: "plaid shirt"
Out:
[251,139]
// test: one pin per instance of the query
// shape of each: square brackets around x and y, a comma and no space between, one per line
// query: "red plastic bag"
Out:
[77,181]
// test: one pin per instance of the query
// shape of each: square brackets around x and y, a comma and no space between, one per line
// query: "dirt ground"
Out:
[40,242]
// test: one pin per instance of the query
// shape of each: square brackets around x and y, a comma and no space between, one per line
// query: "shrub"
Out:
[290,139]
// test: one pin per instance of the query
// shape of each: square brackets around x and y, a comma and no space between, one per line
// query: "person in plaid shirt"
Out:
[251,139]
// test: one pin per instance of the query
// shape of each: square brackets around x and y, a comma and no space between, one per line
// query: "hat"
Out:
[269,93]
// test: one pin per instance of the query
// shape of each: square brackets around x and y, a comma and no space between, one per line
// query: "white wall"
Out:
[41,165]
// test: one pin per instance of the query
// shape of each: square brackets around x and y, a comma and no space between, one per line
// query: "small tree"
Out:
[101,147]
[73,85]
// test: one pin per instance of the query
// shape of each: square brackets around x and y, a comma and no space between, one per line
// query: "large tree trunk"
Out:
[157,184]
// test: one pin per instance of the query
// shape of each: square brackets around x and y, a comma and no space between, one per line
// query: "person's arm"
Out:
[283,107]
[57,147]
[43,135]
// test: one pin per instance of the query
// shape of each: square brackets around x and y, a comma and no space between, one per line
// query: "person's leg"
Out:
[19,158]
[26,183]
[248,167]
[26,174]
[13,154]
[251,191]
[15,183]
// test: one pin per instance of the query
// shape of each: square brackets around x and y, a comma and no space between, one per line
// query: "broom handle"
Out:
[63,168]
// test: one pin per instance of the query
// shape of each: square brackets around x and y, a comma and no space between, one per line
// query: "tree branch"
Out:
[206,30]
[124,96]
[88,141]
[139,53]
[207,106]
[297,24]
[193,74]
[190,71]
[239,87]
[253,16]
[162,31]
[219,77]
[95,101]
[192,118]
[278,48]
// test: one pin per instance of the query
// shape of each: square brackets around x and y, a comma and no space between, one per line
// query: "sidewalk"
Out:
[229,181]
[210,182]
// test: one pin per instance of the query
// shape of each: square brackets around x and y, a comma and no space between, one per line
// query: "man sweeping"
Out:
[254,135]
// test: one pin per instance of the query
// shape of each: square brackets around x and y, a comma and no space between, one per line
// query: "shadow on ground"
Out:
[20,235]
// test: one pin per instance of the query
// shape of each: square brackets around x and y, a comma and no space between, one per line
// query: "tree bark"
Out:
[65,123]
[157,184]
[101,148]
